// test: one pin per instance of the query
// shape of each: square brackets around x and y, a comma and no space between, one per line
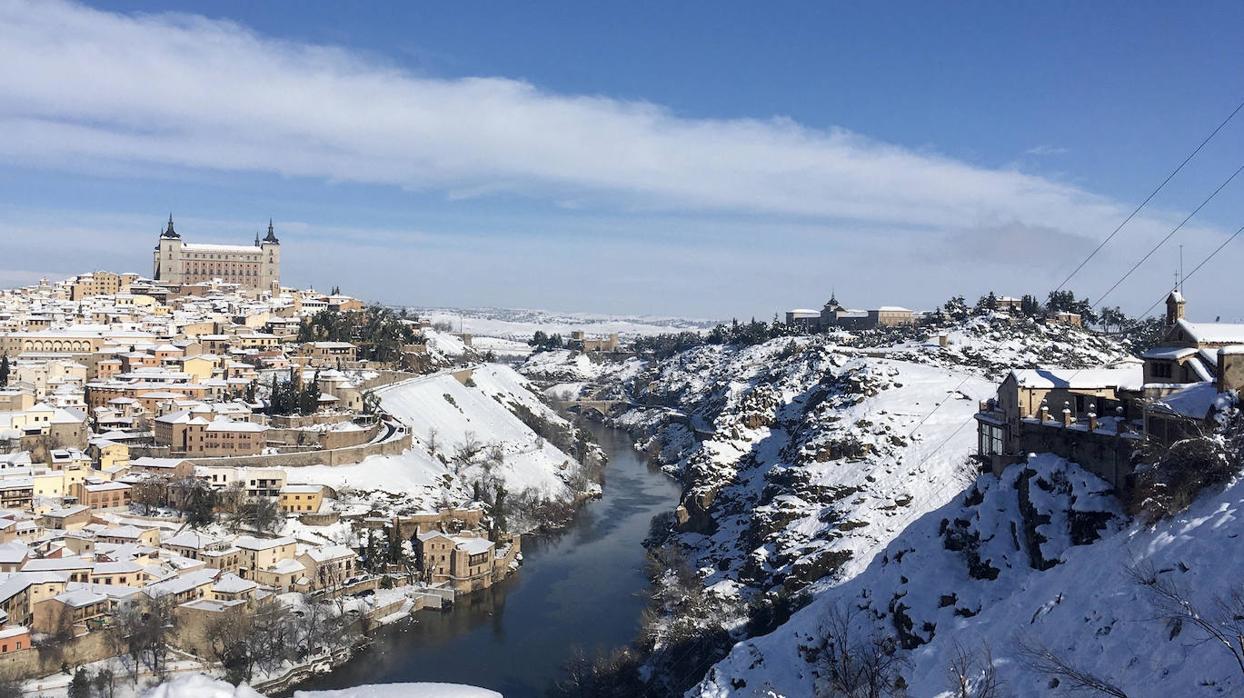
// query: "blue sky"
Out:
[707,159]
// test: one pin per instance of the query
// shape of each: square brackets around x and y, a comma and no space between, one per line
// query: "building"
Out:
[257,267]
[301,499]
[1097,417]
[464,562]
[834,315]
[580,341]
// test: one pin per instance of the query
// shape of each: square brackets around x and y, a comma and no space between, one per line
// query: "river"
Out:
[581,588]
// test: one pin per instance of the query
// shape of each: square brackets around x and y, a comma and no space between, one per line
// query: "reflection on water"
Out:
[583,587]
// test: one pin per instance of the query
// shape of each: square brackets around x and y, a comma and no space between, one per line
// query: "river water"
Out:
[581,588]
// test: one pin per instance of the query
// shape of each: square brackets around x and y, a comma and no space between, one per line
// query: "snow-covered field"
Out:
[519,324]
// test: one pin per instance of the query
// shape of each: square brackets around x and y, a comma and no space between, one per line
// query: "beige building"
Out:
[462,560]
[256,267]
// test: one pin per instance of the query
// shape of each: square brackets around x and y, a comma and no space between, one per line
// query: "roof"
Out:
[473,546]
[253,543]
[1195,402]
[1078,379]
[1213,332]
[1168,353]
[230,583]
[331,552]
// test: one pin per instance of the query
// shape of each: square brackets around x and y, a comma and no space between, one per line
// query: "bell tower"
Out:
[1175,304]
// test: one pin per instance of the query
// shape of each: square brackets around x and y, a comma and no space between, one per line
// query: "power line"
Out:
[1169,235]
[1198,267]
[1152,194]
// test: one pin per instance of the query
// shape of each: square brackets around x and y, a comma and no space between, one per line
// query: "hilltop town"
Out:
[203,468]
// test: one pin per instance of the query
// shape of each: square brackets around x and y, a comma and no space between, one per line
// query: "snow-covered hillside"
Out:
[448,417]
[803,460]
[1038,559]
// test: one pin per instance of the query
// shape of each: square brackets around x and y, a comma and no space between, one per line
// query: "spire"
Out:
[169,232]
[256,238]
[271,234]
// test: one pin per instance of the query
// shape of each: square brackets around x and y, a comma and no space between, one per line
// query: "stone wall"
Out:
[340,456]
[47,659]
[1106,455]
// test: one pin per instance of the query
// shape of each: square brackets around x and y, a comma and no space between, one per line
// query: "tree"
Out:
[973,674]
[144,630]
[855,667]
[1044,660]
[105,683]
[986,303]
[200,504]
[149,494]
[956,308]
[1222,624]
[260,514]
[80,685]
[4,371]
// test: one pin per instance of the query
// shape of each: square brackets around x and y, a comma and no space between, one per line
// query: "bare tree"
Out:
[973,674]
[1040,658]
[468,449]
[145,629]
[226,640]
[1223,624]
[853,667]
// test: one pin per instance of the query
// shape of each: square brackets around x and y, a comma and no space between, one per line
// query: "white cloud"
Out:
[186,91]
[103,92]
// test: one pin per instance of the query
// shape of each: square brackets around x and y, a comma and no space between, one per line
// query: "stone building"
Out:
[256,267]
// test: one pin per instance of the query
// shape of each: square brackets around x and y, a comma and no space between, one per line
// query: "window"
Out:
[991,440]
[1162,369]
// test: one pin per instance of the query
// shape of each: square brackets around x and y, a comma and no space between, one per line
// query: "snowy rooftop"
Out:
[1078,379]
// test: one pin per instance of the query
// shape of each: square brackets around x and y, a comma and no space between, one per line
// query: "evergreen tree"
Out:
[4,371]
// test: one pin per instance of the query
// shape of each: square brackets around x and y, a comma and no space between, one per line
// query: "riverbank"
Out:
[580,589]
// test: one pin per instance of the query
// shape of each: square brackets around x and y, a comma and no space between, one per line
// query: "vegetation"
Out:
[289,397]
[1177,472]
[546,342]
[377,331]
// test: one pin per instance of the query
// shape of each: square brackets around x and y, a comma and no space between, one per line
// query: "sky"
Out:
[711,160]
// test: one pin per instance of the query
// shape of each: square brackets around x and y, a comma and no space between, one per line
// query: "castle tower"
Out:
[270,263]
[168,263]
[1175,305]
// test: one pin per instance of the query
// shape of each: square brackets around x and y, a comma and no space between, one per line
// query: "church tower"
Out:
[1175,307]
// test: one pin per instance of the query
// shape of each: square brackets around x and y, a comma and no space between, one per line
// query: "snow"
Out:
[442,405]
[1079,379]
[404,690]
[202,686]
[520,324]
[1086,606]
